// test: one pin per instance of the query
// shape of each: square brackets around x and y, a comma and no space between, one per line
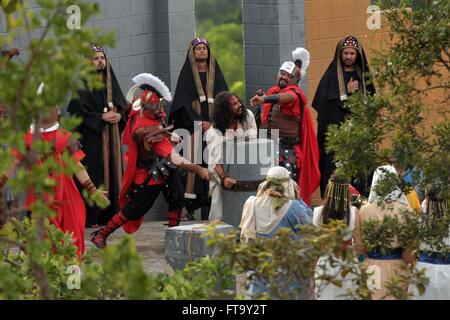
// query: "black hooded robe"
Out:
[331,110]
[182,116]
[89,106]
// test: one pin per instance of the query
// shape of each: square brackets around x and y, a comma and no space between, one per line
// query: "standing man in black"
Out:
[103,119]
[346,74]
[200,80]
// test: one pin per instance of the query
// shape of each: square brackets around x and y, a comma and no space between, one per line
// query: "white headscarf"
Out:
[261,214]
[394,195]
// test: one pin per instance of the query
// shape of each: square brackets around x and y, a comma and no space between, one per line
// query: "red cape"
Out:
[307,151]
[127,135]
[130,171]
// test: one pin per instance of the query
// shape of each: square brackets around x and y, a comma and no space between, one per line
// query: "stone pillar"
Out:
[272,29]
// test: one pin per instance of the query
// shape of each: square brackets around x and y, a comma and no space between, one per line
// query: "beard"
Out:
[242,114]
[349,63]
[282,83]
[101,70]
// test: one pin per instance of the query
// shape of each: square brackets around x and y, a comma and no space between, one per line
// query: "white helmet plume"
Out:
[303,55]
[155,82]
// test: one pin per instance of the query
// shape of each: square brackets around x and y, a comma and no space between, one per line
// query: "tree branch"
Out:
[25,79]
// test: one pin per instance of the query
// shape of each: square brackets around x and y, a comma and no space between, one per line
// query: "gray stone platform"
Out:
[149,242]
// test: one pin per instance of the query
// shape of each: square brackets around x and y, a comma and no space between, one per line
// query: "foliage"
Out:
[25,261]
[412,80]
[434,233]
[384,236]
[287,272]
[226,42]
[380,235]
[117,273]
[206,278]
[221,23]
[56,57]
[210,13]
[268,260]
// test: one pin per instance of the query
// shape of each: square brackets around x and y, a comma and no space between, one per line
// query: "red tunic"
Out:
[307,150]
[65,198]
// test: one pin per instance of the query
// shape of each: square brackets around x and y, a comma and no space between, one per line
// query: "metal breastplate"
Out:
[288,126]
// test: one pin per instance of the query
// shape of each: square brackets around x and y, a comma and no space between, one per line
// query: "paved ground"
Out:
[149,243]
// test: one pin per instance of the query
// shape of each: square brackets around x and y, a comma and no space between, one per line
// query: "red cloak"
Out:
[65,198]
[307,150]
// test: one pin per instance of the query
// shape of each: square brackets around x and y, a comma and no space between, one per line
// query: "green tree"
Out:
[57,58]
[221,23]
[218,12]
[226,41]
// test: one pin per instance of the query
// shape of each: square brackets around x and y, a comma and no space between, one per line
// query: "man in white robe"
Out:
[231,120]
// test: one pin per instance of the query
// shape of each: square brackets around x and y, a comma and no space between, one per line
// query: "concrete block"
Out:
[270,14]
[270,75]
[177,59]
[123,48]
[179,40]
[131,65]
[109,25]
[188,21]
[298,34]
[175,22]
[160,22]
[181,5]
[142,44]
[271,55]
[254,54]
[261,34]
[150,62]
[131,26]
[245,161]
[149,24]
[252,14]
[117,8]
[255,73]
[186,243]
[142,6]
[285,34]
[291,13]
[160,6]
